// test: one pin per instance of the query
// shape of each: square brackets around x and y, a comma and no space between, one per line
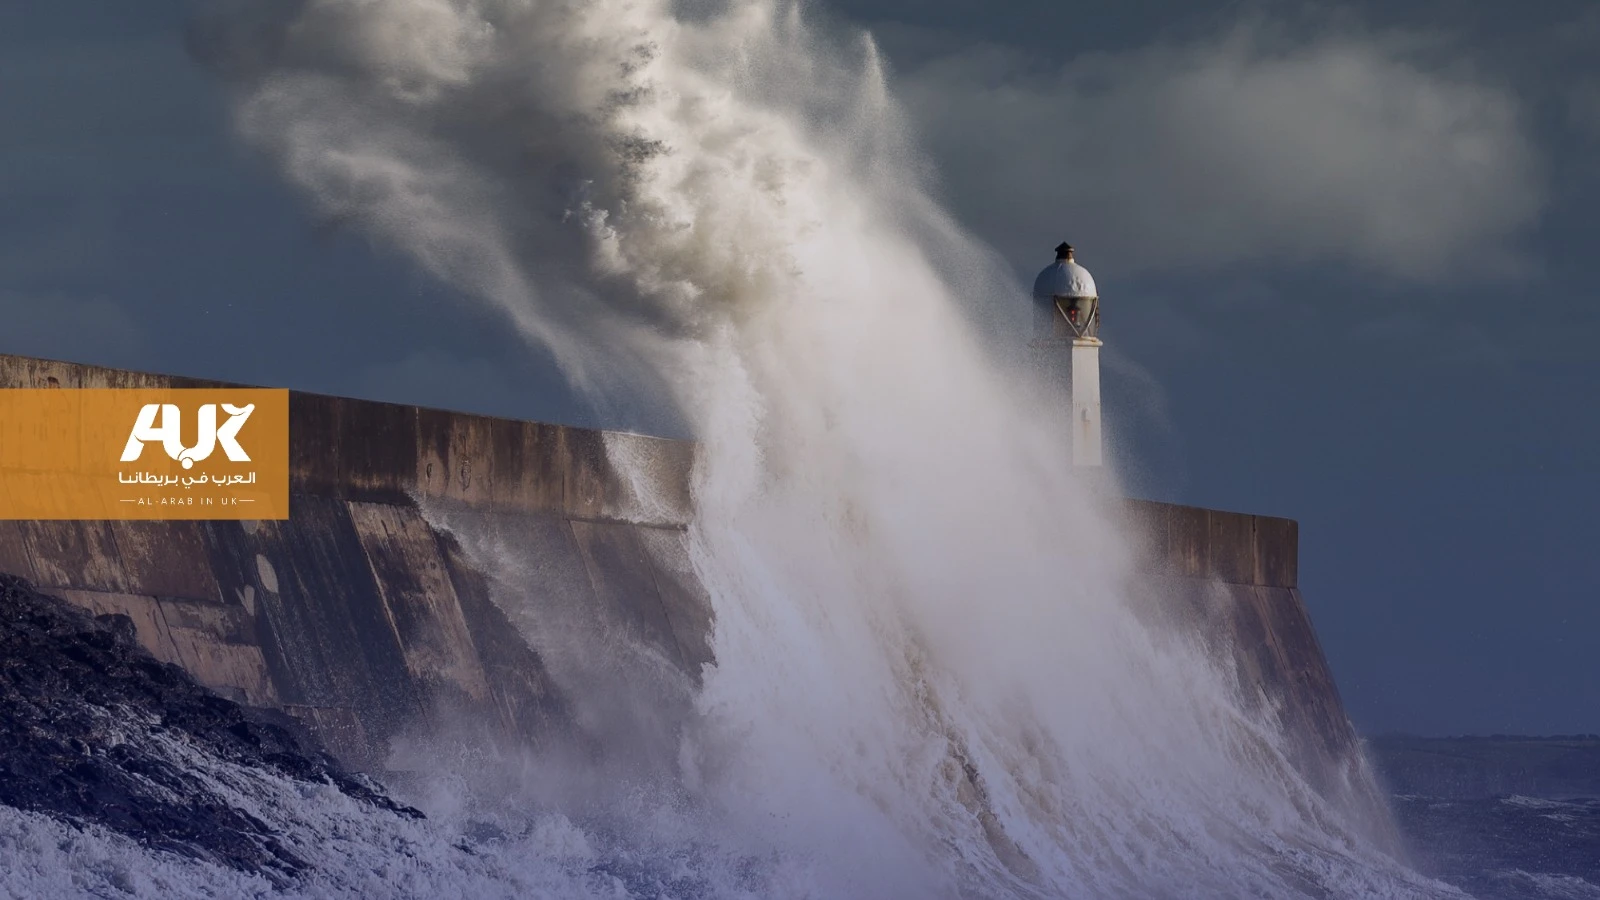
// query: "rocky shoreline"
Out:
[95,730]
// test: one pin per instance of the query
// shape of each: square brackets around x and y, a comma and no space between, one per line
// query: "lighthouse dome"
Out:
[1064,278]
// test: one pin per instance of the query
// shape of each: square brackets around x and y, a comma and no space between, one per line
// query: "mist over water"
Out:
[931,679]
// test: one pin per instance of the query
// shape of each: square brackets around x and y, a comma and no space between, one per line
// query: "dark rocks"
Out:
[94,730]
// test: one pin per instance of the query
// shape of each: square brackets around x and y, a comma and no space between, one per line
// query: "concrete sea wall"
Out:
[355,615]
[359,617]
[1230,580]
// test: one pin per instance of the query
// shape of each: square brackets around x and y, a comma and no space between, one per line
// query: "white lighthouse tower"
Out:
[1067,320]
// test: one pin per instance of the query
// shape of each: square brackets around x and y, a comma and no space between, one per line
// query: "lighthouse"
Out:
[1067,321]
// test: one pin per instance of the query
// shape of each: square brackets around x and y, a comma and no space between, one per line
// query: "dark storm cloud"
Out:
[1584,108]
[1250,146]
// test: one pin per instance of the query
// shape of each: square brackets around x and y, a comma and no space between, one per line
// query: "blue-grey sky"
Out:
[1345,253]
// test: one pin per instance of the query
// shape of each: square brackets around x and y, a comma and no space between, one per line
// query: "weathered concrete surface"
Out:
[358,617]
[355,615]
[1230,580]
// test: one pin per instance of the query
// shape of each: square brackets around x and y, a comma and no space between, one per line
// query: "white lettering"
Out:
[168,433]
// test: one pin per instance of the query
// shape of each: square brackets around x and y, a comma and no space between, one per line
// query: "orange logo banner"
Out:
[108,453]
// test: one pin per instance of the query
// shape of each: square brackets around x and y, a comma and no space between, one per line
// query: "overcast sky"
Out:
[1346,255]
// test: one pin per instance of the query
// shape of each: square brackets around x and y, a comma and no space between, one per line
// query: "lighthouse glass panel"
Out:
[1077,317]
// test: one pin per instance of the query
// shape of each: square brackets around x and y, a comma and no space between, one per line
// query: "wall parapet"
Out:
[388,452]
[1215,545]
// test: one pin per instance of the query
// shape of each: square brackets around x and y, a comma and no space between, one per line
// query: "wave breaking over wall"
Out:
[489,614]
[943,662]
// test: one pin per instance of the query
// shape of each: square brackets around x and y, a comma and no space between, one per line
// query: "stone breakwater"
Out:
[360,619]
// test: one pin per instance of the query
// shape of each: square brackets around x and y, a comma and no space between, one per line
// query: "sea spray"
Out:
[930,679]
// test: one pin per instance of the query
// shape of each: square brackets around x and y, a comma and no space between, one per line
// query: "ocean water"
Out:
[930,678]
[1510,847]
[1505,848]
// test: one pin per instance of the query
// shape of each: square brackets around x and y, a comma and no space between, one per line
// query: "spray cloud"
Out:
[930,680]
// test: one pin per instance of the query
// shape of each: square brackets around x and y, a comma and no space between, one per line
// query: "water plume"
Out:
[930,677]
